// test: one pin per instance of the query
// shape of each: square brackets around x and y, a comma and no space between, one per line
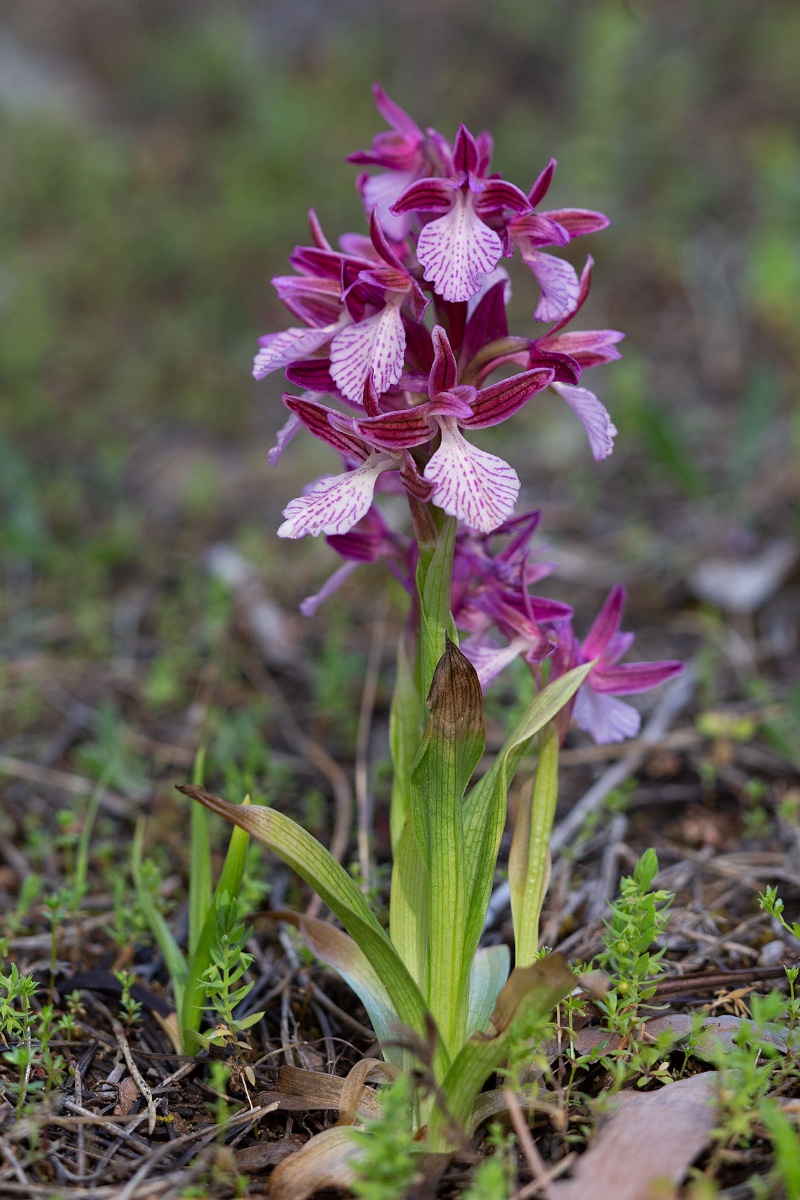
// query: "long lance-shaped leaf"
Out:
[485,806]
[529,995]
[529,857]
[313,863]
[170,950]
[450,751]
[433,583]
[200,886]
[409,904]
[405,735]
[337,950]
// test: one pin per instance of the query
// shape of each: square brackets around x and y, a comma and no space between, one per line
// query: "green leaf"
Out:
[487,975]
[450,750]
[247,1022]
[313,863]
[409,904]
[172,954]
[337,950]
[405,735]
[433,583]
[529,858]
[199,862]
[530,994]
[485,805]
[190,1009]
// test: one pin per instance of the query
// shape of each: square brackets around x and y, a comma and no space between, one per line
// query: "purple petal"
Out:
[599,427]
[539,189]
[465,152]
[489,659]
[590,348]
[618,645]
[559,283]
[279,349]
[498,194]
[605,624]
[486,313]
[397,430]
[444,371]
[336,502]
[538,229]
[579,221]
[584,283]
[317,419]
[457,249]
[312,374]
[630,678]
[478,488]
[311,603]
[520,530]
[383,247]
[284,436]
[565,369]
[426,195]
[317,302]
[499,401]
[604,717]
[393,114]
[377,344]
[366,541]
[317,236]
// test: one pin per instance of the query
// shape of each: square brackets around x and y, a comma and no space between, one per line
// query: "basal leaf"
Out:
[529,857]
[337,950]
[313,863]
[489,972]
[485,805]
[530,993]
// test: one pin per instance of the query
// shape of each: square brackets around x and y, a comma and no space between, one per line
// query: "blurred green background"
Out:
[157,160]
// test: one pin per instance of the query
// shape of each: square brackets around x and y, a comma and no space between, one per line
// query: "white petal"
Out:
[283,348]
[604,717]
[559,283]
[336,502]
[457,249]
[377,344]
[489,659]
[600,429]
[478,488]
[380,191]
[488,282]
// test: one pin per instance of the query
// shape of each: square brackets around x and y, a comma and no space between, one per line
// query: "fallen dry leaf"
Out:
[128,1095]
[651,1137]
[324,1162]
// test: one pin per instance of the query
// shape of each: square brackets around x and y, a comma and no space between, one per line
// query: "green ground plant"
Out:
[638,920]
[213,918]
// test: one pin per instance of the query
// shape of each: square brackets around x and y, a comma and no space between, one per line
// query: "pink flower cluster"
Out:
[403,330]
[411,391]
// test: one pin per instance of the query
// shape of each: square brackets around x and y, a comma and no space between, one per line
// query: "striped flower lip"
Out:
[478,488]
[459,246]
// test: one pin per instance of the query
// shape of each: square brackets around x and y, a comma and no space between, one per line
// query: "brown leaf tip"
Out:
[455,699]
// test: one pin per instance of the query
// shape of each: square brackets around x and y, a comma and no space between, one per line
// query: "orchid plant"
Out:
[401,355]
